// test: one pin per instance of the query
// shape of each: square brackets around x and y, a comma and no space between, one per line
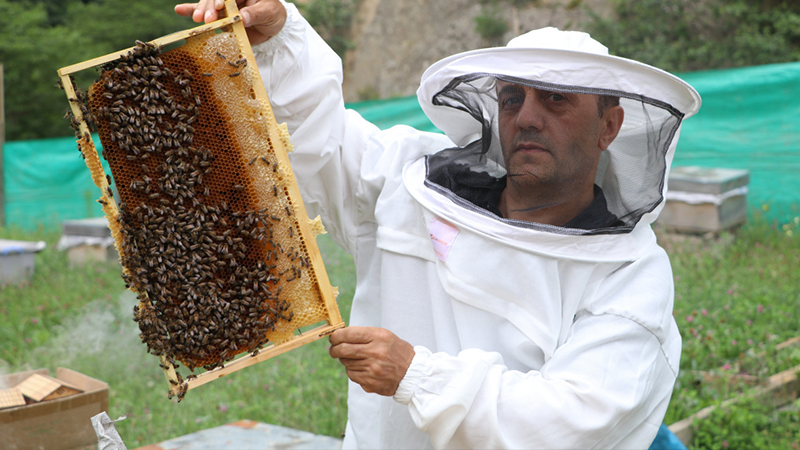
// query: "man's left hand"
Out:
[375,358]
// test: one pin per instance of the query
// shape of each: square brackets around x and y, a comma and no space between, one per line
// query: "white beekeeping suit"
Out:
[526,335]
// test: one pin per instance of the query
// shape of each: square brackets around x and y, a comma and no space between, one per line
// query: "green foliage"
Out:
[368,93]
[736,297]
[687,35]
[332,20]
[489,24]
[747,424]
[38,38]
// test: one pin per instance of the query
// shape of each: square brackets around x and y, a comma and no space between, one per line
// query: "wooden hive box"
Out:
[701,199]
[211,230]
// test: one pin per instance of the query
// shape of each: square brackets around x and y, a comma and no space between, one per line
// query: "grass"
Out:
[737,296]
[32,311]
[81,318]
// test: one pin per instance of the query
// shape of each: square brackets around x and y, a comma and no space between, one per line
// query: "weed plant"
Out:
[748,425]
[736,297]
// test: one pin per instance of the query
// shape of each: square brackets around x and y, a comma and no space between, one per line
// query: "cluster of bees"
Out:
[208,272]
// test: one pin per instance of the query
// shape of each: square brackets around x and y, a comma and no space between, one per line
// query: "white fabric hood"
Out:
[458,95]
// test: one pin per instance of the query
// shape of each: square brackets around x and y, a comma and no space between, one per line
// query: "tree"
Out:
[36,43]
[687,35]
[332,19]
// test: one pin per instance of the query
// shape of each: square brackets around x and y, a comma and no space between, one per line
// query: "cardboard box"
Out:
[18,260]
[60,424]
[701,200]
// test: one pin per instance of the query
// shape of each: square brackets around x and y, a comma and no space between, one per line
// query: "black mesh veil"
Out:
[631,172]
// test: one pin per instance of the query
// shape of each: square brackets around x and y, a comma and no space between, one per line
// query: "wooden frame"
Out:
[230,21]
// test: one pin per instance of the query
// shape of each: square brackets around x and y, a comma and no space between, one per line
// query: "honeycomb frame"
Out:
[253,167]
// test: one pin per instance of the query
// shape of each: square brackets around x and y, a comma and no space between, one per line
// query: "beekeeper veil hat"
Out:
[458,94]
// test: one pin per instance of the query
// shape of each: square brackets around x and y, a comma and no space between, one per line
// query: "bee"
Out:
[234,74]
[221,55]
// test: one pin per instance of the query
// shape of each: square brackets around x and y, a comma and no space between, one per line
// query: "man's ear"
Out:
[611,123]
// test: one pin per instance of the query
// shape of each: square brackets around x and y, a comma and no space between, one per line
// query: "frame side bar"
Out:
[263,355]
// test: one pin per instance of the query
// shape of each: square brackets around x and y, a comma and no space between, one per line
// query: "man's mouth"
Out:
[528,147]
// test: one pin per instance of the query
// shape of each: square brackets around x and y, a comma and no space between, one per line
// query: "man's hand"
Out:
[375,358]
[262,18]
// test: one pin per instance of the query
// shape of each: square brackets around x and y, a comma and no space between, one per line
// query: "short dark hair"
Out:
[606,101]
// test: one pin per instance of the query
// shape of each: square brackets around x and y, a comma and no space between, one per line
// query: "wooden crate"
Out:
[59,422]
[237,69]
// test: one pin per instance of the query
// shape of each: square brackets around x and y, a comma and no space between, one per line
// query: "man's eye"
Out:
[556,97]
[512,101]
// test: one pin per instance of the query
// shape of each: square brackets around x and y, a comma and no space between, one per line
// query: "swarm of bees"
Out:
[208,268]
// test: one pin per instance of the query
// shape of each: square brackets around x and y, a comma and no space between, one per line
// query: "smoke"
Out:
[100,341]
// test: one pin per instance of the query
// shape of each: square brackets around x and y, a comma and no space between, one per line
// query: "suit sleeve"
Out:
[303,79]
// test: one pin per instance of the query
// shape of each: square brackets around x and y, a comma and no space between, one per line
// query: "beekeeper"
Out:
[510,291]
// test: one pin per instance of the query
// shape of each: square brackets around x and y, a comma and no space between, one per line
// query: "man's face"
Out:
[551,141]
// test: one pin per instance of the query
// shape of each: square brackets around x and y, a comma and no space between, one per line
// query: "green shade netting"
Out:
[46,182]
[750,119]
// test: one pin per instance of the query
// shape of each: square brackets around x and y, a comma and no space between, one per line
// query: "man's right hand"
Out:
[262,18]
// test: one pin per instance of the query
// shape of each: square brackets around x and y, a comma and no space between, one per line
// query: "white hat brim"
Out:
[624,77]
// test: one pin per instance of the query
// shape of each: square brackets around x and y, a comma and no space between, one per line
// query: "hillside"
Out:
[396,40]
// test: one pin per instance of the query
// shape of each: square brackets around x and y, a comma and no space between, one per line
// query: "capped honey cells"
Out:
[208,233]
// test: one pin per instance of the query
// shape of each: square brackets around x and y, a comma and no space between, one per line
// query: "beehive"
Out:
[210,227]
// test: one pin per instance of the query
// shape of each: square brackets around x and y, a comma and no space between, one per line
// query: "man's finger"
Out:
[202,11]
[186,9]
[352,335]
[263,19]
[348,351]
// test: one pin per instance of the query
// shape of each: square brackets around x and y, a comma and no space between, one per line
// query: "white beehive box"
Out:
[701,199]
[88,240]
[18,260]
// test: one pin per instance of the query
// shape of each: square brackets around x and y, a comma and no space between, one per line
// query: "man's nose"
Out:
[531,114]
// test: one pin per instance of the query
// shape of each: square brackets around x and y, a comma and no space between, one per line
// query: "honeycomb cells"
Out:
[210,239]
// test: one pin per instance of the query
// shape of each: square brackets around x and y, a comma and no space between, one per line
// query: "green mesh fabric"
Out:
[750,119]
[46,182]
